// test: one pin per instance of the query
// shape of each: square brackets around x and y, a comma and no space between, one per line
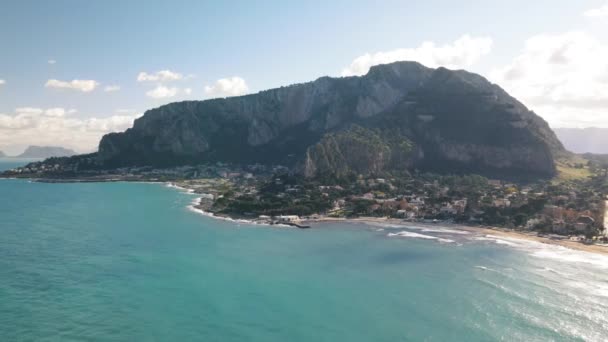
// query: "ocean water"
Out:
[131,262]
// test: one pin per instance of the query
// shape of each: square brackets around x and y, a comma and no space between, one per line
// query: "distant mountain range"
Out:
[2,155]
[46,152]
[584,140]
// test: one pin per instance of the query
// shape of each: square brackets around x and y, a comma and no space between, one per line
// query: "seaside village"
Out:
[565,210]
[570,209]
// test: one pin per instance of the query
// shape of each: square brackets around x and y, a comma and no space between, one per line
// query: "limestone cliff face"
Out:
[454,118]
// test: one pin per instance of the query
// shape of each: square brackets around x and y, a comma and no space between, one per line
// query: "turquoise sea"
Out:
[131,262]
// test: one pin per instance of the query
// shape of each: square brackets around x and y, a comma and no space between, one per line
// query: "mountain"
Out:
[2,155]
[584,140]
[45,152]
[397,115]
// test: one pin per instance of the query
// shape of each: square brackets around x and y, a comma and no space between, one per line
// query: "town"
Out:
[569,207]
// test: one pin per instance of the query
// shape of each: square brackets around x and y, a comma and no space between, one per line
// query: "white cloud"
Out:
[563,77]
[17,121]
[161,92]
[51,61]
[58,112]
[462,53]
[33,112]
[36,126]
[597,12]
[159,76]
[111,88]
[114,123]
[29,110]
[188,91]
[2,82]
[225,87]
[79,85]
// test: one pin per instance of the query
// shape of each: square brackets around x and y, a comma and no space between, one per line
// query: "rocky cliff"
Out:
[451,120]
[357,150]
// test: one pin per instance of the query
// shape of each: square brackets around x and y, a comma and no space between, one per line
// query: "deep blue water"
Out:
[131,262]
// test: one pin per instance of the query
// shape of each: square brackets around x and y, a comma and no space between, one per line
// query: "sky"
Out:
[71,71]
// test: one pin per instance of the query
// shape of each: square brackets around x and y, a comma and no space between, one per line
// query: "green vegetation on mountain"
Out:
[357,150]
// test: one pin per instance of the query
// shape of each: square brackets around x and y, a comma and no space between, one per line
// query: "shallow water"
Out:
[130,262]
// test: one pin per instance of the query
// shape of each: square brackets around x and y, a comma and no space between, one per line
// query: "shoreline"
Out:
[491,231]
[486,231]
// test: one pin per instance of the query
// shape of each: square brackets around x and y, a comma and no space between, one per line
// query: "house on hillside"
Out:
[584,224]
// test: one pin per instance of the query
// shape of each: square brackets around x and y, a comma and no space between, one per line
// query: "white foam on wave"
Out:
[181,188]
[192,207]
[554,271]
[485,268]
[590,287]
[406,234]
[441,230]
[493,239]
[560,253]
[437,229]
[549,251]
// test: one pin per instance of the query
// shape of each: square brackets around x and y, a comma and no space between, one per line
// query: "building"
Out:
[288,218]
[448,209]
[501,202]
[406,214]
[584,223]
[533,223]
[368,196]
[559,227]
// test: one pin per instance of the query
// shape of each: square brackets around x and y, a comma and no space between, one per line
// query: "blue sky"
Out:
[226,48]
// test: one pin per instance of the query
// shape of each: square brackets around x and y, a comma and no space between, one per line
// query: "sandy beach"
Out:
[493,231]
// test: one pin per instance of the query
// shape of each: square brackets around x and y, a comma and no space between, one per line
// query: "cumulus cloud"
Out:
[461,53]
[2,82]
[597,12]
[33,111]
[159,76]
[51,61]
[225,87]
[111,88]
[84,86]
[563,77]
[161,92]
[52,126]
[58,112]
[29,110]
[17,121]
[114,123]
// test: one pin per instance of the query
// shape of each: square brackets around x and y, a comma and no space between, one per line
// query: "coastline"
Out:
[486,231]
[482,230]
